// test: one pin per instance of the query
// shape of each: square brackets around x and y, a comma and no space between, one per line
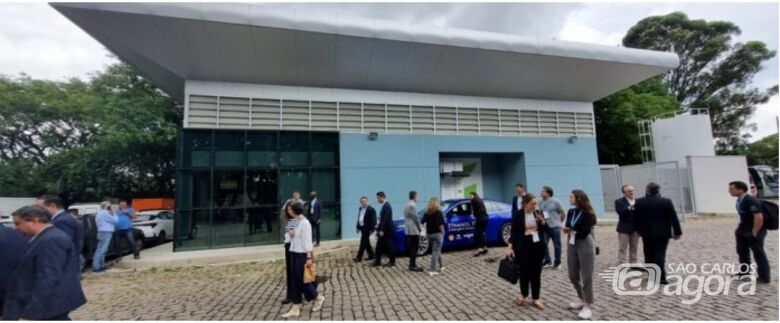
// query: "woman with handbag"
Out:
[525,245]
[480,223]
[301,247]
[580,252]
[434,228]
[289,224]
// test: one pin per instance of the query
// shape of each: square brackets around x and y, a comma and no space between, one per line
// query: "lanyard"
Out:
[575,218]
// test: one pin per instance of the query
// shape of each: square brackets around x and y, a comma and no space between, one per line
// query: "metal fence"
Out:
[674,181]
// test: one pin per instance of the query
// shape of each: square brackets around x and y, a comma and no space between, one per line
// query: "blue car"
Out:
[459,225]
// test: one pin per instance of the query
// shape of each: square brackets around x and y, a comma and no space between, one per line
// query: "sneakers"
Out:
[318,304]
[547,265]
[441,269]
[585,313]
[556,267]
[576,305]
[432,273]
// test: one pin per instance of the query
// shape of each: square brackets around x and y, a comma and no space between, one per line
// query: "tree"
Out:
[113,136]
[713,74]
[616,119]
[763,151]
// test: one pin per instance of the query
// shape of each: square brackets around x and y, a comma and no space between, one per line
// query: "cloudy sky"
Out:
[36,40]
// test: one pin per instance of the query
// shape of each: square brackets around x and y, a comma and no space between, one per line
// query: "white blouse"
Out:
[301,241]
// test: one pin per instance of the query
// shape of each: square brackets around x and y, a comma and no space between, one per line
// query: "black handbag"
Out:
[507,269]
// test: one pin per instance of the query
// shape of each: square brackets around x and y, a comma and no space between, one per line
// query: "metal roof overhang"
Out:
[170,43]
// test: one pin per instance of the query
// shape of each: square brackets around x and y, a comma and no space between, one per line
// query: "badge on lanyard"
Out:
[574,221]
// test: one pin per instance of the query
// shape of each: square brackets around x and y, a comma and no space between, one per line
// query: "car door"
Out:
[459,230]
[167,222]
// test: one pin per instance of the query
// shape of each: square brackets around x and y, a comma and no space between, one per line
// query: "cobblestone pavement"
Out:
[468,289]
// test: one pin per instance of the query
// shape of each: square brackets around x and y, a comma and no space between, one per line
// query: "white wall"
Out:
[10,204]
[710,177]
[681,136]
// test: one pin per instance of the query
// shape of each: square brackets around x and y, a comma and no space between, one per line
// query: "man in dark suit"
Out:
[628,238]
[45,284]
[13,246]
[656,221]
[313,213]
[517,200]
[365,226]
[65,222]
[385,232]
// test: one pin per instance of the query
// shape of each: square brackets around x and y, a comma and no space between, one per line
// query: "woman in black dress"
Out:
[480,224]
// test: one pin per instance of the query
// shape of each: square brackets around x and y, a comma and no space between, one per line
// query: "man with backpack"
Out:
[751,231]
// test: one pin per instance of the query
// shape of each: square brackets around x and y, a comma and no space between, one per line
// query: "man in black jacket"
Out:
[628,238]
[517,200]
[365,226]
[313,212]
[656,221]
[385,232]
[750,233]
[13,246]
[46,283]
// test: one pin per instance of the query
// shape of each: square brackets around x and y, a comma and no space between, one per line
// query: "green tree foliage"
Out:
[714,74]
[114,135]
[763,151]
[616,118]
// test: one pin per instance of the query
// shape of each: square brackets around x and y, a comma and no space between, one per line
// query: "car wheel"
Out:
[161,237]
[506,232]
[424,246]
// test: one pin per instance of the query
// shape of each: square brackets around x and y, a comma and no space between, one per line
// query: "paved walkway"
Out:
[468,289]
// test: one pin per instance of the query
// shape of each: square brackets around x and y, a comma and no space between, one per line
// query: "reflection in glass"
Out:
[228,149]
[261,150]
[197,145]
[294,148]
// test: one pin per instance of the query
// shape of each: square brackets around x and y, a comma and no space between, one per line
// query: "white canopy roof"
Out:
[172,42]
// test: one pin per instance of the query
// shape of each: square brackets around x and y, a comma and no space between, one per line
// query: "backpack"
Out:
[769,211]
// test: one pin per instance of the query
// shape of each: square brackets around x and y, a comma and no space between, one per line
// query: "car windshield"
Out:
[142,217]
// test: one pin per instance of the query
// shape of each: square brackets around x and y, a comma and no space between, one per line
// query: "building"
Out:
[281,101]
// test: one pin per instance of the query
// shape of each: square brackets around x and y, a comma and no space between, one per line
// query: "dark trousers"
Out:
[365,245]
[529,259]
[384,245]
[479,233]
[127,236]
[553,234]
[746,243]
[300,290]
[315,231]
[655,252]
[288,270]
[61,317]
[412,244]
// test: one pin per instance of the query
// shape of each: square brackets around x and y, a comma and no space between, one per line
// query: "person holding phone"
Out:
[525,245]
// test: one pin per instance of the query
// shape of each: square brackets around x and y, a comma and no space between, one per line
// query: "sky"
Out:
[38,41]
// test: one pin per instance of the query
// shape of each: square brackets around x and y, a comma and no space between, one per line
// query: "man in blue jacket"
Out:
[13,246]
[65,222]
[124,227]
[46,283]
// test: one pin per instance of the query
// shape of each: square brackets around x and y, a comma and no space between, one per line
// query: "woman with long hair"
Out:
[480,223]
[301,247]
[434,228]
[525,245]
[289,224]
[581,250]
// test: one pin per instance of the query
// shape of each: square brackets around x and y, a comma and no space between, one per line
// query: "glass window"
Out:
[262,187]
[263,225]
[201,189]
[324,149]
[294,149]
[228,149]
[193,229]
[228,188]
[261,150]
[196,146]
[324,182]
[227,227]
[293,180]
[330,225]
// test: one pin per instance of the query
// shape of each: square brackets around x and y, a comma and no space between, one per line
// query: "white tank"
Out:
[681,136]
